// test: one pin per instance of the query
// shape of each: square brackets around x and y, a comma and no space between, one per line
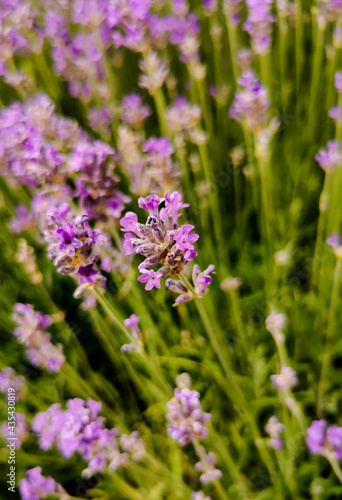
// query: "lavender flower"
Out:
[324,441]
[72,245]
[258,25]
[133,112]
[201,281]
[9,379]
[199,495]
[132,324]
[31,332]
[275,323]
[207,467]
[160,241]
[274,428]
[187,420]
[37,487]
[331,157]
[251,104]
[154,71]
[183,119]
[286,379]
[80,429]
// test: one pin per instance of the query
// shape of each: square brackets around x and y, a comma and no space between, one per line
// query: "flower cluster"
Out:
[9,379]
[201,281]
[72,245]
[258,25]
[330,158]
[323,440]
[275,324]
[187,420]
[286,379]
[160,240]
[31,332]
[37,487]
[133,111]
[274,428]
[199,495]
[132,324]
[207,467]
[336,112]
[251,104]
[80,429]
[183,119]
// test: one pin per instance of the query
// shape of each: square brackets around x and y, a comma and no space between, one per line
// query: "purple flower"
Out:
[133,111]
[80,429]
[334,240]
[37,487]
[87,274]
[151,278]
[331,157]
[9,379]
[184,237]
[274,428]
[159,240]
[286,380]
[30,331]
[199,495]
[187,420]
[151,204]
[201,281]
[316,437]
[251,104]
[207,467]
[258,25]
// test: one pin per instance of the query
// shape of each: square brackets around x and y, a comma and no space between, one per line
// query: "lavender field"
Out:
[171,249]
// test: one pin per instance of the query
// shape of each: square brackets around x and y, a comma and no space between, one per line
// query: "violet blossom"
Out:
[323,440]
[31,332]
[251,104]
[330,158]
[186,419]
[201,281]
[37,487]
[274,428]
[286,379]
[160,240]
[80,429]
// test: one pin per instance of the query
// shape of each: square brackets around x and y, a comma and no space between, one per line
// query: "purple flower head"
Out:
[324,441]
[207,467]
[132,323]
[286,380]
[159,240]
[187,420]
[8,379]
[66,236]
[258,25]
[251,104]
[87,274]
[133,112]
[30,331]
[151,278]
[161,147]
[151,204]
[185,238]
[37,487]
[330,157]
[80,429]
[316,436]
[199,495]
[274,428]
[334,240]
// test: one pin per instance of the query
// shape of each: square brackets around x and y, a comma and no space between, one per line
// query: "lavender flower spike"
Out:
[201,281]
[187,420]
[325,441]
[161,241]
[274,428]
[37,487]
